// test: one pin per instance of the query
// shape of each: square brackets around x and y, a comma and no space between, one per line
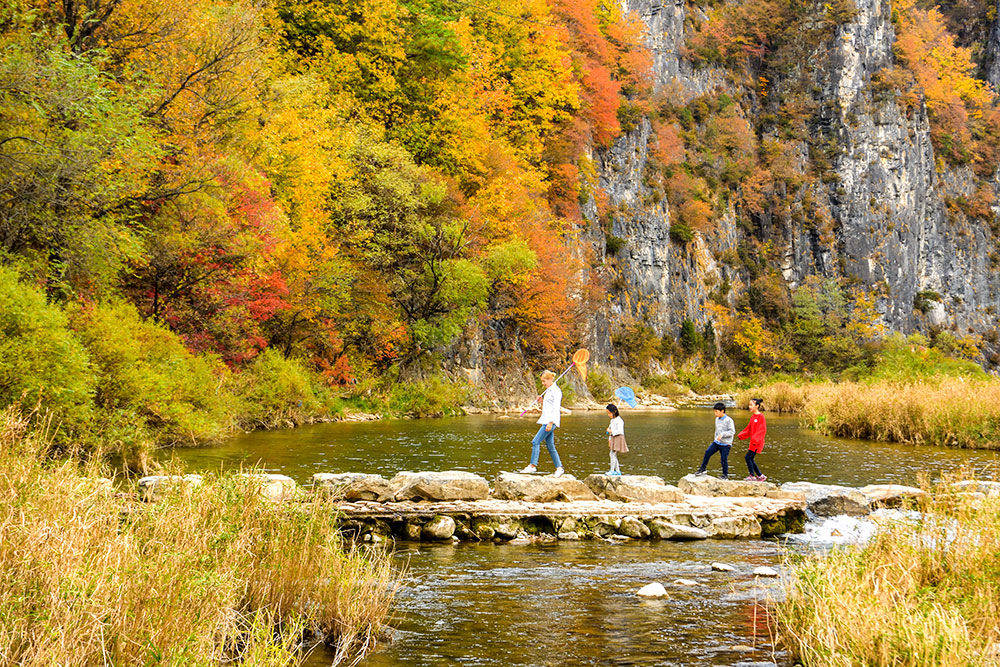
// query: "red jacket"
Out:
[755,430]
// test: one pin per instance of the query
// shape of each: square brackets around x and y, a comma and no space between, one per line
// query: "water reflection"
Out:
[666,444]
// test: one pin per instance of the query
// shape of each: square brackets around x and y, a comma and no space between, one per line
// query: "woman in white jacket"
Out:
[551,400]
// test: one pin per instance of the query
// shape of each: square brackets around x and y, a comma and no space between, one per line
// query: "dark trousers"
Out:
[723,454]
[752,465]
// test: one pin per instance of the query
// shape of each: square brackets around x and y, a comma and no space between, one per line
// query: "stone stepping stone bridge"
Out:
[460,506]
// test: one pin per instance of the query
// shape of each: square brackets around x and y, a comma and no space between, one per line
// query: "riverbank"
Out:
[956,412]
[216,575]
[923,592]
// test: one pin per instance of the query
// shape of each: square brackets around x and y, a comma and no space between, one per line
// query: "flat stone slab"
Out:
[540,488]
[438,486]
[890,495]
[830,500]
[977,486]
[633,489]
[706,485]
[155,487]
[273,487]
[352,486]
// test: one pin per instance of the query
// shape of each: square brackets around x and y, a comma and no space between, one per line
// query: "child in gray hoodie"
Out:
[725,429]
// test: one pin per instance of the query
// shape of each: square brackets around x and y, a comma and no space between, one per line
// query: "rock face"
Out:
[352,486]
[276,488]
[885,195]
[540,488]
[829,500]
[154,487]
[706,485]
[633,489]
[438,486]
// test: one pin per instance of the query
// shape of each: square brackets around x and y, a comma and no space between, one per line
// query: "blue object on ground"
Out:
[626,395]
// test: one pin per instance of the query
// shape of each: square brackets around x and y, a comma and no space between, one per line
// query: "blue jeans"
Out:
[550,444]
[723,453]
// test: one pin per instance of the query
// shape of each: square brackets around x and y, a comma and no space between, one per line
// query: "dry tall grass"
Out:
[218,575]
[921,594]
[954,411]
[778,397]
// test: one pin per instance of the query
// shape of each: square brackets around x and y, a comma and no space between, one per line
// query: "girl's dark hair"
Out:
[613,409]
[759,402]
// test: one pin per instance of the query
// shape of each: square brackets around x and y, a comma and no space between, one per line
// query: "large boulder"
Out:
[272,487]
[155,487]
[439,528]
[890,495]
[352,486]
[830,500]
[633,489]
[632,527]
[665,530]
[706,485]
[438,486]
[540,488]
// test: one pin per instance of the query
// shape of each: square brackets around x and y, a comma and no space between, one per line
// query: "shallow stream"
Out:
[575,603]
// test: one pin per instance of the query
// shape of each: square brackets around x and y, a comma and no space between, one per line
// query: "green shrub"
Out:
[681,233]
[433,397]
[41,361]
[664,385]
[613,244]
[599,385]
[690,339]
[702,380]
[148,383]
[278,391]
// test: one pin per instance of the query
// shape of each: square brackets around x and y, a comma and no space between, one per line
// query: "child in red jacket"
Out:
[755,431]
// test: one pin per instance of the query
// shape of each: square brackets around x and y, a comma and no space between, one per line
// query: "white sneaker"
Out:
[559,471]
[529,469]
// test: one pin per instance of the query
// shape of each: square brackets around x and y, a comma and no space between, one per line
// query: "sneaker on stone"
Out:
[762,478]
[724,477]
[609,473]
[700,473]
[750,478]
[529,468]
[617,473]
[559,471]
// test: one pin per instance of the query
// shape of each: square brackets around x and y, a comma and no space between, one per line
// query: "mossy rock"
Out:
[792,521]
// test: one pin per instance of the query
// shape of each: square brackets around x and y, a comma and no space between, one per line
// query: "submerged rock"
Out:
[155,487]
[633,489]
[540,488]
[722,567]
[352,486]
[654,590]
[830,500]
[438,486]
[685,582]
[571,536]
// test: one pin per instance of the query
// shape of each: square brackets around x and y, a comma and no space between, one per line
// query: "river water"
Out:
[574,603]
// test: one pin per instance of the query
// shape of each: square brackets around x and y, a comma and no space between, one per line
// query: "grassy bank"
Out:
[920,594]
[913,395]
[215,576]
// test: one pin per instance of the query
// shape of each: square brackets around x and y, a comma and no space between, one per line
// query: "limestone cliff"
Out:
[891,229]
